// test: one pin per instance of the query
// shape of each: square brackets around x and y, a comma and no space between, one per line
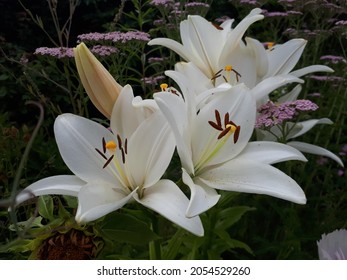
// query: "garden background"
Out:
[255,227]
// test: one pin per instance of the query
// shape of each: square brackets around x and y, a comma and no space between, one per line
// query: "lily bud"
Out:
[99,84]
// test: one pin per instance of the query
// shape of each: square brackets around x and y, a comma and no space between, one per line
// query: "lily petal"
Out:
[237,33]
[270,152]
[59,185]
[97,199]
[291,51]
[149,154]
[307,125]
[253,177]
[266,86]
[311,69]
[169,201]
[174,109]
[202,198]
[316,150]
[292,95]
[77,138]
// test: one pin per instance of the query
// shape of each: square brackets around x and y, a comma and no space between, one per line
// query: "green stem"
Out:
[154,245]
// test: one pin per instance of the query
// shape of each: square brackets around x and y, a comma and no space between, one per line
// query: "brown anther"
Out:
[119,141]
[218,119]
[100,153]
[108,161]
[217,75]
[103,145]
[224,132]
[123,155]
[237,133]
[215,126]
[217,26]
[226,119]
[126,146]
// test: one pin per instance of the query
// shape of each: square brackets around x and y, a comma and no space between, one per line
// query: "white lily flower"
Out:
[206,45]
[112,169]
[231,59]
[213,145]
[333,246]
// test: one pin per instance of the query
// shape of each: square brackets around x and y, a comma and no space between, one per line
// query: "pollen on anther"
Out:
[111,145]
[164,86]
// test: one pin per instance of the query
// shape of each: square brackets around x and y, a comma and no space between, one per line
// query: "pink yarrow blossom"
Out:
[271,114]
[61,52]
[115,36]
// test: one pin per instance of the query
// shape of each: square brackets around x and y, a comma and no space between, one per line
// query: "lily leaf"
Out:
[125,228]
[231,215]
[45,204]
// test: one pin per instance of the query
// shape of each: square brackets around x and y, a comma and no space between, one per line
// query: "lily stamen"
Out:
[164,86]
[108,161]
[228,69]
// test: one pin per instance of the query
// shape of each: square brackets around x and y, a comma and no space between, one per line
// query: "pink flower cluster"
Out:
[116,36]
[333,59]
[271,114]
[68,52]
[55,52]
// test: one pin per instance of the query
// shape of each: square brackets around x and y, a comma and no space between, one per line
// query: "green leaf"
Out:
[233,243]
[45,204]
[171,250]
[229,216]
[125,228]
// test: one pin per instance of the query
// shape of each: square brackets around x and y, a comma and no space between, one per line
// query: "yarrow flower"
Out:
[271,114]
[115,37]
[333,246]
[61,52]
[333,59]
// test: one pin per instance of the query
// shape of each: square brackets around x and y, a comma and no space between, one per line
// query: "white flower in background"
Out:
[206,45]
[214,148]
[112,169]
[220,54]
[333,246]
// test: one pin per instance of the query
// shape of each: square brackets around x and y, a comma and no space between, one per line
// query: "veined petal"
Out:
[169,201]
[97,199]
[77,138]
[307,125]
[316,150]
[253,177]
[174,109]
[310,69]
[200,37]
[284,57]
[59,185]
[269,152]
[99,84]
[202,198]
[150,150]
[266,86]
